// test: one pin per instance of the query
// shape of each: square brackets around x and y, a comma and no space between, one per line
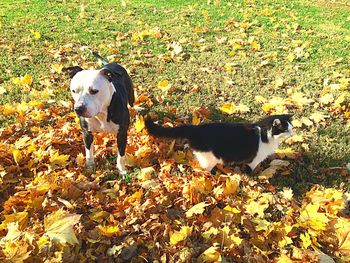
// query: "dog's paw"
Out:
[90,163]
[122,172]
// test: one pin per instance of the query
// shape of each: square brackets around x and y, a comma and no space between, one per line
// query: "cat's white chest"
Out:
[264,150]
[99,123]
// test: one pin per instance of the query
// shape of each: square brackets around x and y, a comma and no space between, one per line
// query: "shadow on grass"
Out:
[307,172]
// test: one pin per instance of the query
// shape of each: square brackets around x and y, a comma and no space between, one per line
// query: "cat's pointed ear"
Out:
[276,122]
[290,117]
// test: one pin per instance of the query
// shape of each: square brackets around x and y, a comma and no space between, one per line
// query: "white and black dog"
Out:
[101,99]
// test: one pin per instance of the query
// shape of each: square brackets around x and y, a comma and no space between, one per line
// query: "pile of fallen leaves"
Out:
[168,210]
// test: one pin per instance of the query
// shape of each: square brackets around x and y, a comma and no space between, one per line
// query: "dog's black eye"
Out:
[74,91]
[93,91]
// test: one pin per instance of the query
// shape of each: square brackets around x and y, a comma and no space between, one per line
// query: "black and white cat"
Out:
[226,143]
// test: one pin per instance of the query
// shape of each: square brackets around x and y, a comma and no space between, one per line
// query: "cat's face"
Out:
[281,128]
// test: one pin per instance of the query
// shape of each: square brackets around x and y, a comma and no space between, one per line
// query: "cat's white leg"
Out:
[253,164]
[207,160]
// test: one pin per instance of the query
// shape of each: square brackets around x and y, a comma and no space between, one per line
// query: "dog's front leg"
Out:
[88,142]
[121,141]
[89,148]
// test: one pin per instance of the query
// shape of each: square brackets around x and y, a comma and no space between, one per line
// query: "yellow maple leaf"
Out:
[284,259]
[59,227]
[210,255]
[305,240]
[279,82]
[196,119]
[310,218]
[296,123]
[228,108]
[306,121]
[327,99]
[139,123]
[17,155]
[8,109]
[201,184]
[295,138]
[108,230]
[318,117]
[342,228]
[80,160]
[287,193]
[232,209]
[255,208]
[242,108]
[58,160]
[255,46]
[26,80]
[290,57]
[196,209]
[231,185]
[20,218]
[300,99]
[274,104]
[210,233]
[36,34]
[287,152]
[16,251]
[2,90]
[57,67]
[43,240]
[180,235]
[230,68]
[260,99]
[146,173]
[164,85]
[136,197]
[330,199]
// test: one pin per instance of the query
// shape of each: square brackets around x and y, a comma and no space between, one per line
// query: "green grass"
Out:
[275,25]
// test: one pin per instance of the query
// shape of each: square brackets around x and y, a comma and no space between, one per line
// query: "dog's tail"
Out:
[184,131]
[99,58]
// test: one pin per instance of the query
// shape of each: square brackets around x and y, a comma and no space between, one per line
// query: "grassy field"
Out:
[218,62]
[259,57]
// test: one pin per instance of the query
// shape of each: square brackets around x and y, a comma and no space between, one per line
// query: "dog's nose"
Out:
[80,109]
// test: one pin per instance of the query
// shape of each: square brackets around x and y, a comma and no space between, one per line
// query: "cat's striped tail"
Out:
[184,131]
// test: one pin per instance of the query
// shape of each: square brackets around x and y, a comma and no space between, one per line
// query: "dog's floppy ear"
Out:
[72,70]
[107,74]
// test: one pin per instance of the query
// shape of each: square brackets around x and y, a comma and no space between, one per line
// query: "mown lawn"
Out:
[187,59]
